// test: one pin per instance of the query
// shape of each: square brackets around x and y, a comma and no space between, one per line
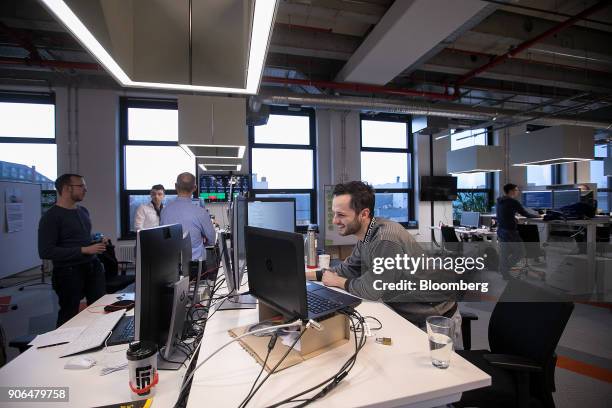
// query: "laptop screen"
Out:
[276,270]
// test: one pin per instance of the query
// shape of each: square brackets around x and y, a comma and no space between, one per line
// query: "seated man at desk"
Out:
[510,243]
[353,208]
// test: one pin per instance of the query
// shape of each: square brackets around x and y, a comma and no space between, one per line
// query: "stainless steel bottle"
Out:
[311,247]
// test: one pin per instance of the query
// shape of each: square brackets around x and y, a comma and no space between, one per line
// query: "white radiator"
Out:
[126,251]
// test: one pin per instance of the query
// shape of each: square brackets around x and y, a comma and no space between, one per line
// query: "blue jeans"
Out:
[511,249]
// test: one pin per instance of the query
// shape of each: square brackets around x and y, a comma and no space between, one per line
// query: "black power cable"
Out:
[252,393]
[331,382]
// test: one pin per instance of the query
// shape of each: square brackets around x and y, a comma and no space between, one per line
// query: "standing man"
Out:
[64,237]
[510,243]
[194,219]
[353,208]
[148,215]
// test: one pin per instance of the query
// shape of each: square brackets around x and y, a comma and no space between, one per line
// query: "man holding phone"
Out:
[64,237]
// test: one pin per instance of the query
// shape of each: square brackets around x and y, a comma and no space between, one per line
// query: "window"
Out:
[150,154]
[474,190]
[386,163]
[28,150]
[539,175]
[604,183]
[282,160]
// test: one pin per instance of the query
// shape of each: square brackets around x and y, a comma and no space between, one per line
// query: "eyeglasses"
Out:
[77,185]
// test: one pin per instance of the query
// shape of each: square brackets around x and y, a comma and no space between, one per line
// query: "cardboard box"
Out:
[335,333]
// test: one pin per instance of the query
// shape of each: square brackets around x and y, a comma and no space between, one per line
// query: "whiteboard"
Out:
[19,250]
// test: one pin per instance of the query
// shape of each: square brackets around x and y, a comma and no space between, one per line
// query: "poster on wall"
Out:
[332,237]
[13,209]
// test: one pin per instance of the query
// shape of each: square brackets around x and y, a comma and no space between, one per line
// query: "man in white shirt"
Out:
[147,215]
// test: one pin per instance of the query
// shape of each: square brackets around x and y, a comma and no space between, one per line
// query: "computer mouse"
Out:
[80,363]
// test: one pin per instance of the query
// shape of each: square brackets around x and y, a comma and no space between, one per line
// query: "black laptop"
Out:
[275,261]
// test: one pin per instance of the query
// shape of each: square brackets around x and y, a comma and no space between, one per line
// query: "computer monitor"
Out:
[233,259]
[158,257]
[275,213]
[277,263]
[470,219]
[239,221]
[539,200]
[561,198]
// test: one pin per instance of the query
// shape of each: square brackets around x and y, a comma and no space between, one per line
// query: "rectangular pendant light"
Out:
[261,29]
[475,159]
[553,145]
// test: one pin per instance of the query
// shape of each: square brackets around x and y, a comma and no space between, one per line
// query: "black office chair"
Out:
[530,235]
[523,336]
[450,242]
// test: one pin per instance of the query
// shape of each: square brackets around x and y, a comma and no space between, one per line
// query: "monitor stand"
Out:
[175,360]
[236,302]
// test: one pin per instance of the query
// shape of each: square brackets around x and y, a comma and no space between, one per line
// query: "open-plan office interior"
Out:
[336,203]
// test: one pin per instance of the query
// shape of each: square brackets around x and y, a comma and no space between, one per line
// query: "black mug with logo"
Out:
[142,367]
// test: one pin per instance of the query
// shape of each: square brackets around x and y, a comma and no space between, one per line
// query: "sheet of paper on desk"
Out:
[57,336]
[126,296]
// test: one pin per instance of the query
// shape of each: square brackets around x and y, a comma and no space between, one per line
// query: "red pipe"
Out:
[50,63]
[359,87]
[529,43]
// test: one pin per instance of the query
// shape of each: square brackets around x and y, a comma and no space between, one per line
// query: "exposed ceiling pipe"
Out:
[529,43]
[453,111]
[51,63]
[356,87]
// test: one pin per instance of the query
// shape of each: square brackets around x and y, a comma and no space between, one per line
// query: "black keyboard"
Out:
[122,333]
[317,304]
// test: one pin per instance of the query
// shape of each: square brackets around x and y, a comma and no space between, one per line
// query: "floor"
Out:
[583,375]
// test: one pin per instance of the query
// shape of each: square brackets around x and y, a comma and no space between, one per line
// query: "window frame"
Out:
[489,177]
[412,222]
[32,98]
[124,194]
[608,189]
[281,110]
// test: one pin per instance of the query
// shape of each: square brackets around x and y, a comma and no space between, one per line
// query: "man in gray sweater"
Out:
[360,274]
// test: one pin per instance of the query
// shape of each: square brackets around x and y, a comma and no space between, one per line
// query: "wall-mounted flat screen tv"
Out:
[438,188]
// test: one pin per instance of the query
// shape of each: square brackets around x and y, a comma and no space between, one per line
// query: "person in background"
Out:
[64,237]
[148,215]
[353,209]
[194,219]
[510,243]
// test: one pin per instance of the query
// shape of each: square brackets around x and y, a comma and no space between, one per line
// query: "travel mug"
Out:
[142,367]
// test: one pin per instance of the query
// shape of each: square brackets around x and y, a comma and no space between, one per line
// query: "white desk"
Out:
[43,368]
[591,229]
[384,376]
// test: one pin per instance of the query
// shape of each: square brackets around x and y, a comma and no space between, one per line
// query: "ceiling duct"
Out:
[453,111]
[429,125]
[475,159]
[257,113]
[211,126]
[553,145]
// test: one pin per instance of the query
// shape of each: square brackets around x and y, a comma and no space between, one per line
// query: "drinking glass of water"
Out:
[440,331]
